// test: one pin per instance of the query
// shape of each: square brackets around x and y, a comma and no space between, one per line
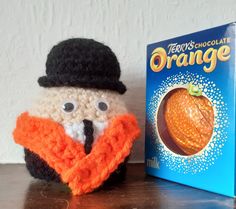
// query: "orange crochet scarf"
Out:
[83,173]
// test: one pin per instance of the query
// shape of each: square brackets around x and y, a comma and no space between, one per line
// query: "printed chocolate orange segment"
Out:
[206,109]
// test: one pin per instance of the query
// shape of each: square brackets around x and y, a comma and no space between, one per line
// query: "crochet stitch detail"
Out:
[82,172]
[83,63]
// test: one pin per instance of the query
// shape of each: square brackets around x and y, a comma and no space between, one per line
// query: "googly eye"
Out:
[102,105]
[69,106]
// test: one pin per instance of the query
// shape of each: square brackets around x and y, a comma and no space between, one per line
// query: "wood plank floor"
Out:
[19,190]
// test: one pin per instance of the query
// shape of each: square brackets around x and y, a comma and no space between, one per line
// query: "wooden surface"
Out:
[19,190]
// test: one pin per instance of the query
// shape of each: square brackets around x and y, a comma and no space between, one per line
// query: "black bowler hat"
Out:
[82,63]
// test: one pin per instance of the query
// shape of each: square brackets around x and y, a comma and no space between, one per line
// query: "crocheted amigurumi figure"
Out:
[79,132]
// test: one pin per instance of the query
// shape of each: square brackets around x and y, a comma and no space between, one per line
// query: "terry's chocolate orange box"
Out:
[190,110]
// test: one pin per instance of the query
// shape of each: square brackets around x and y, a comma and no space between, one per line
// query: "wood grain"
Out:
[138,191]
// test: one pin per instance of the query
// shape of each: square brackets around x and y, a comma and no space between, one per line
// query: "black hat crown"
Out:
[82,63]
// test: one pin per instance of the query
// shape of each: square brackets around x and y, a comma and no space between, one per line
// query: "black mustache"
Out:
[88,132]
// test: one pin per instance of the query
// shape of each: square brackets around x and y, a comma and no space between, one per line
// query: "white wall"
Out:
[29,28]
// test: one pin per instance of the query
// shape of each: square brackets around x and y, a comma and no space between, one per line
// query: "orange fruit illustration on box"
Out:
[189,119]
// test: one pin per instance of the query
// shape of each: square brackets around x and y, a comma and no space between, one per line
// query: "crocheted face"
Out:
[71,106]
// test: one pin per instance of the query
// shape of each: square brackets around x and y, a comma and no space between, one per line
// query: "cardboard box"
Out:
[190,110]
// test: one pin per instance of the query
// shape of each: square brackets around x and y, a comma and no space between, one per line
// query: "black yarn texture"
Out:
[88,132]
[83,63]
[38,168]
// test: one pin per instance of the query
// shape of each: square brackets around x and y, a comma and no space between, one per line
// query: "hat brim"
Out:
[84,82]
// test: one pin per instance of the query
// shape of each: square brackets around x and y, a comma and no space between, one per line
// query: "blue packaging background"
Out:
[220,177]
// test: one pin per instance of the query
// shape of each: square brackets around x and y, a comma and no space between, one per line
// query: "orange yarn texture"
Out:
[83,173]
